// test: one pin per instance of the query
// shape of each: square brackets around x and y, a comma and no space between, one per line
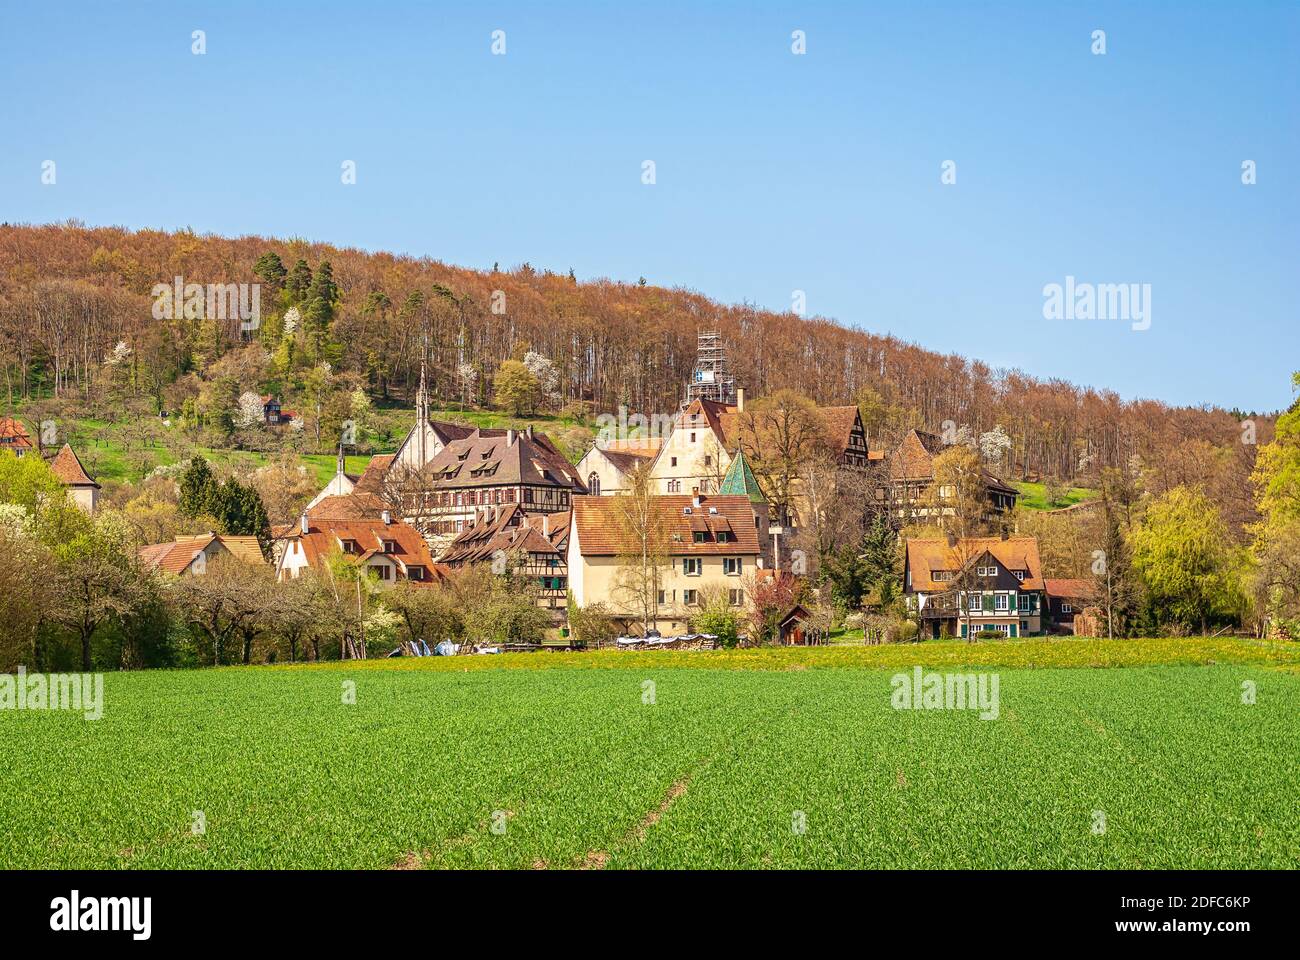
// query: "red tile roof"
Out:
[13,435]
[1071,589]
[334,520]
[67,467]
[925,555]
[601,533]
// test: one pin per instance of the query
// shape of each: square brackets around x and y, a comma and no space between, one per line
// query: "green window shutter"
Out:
[988,603]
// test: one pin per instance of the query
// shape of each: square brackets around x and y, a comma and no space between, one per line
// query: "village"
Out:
[665,538]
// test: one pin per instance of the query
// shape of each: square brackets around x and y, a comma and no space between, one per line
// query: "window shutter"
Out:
[988,603]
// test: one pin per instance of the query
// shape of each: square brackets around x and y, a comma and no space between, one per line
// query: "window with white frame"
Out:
[731,566]
[1022,601]
[1002,601]
[692,566]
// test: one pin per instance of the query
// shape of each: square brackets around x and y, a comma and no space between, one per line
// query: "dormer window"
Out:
[1020,574]
[390,546]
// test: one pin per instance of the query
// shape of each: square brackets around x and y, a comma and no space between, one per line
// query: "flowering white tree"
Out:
[248,412]
[291,319]
[994,444]
[118,354]
[543,368]
[468,377]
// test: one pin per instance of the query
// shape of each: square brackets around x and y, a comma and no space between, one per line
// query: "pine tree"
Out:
[270,270]
[299,282]
[199,489]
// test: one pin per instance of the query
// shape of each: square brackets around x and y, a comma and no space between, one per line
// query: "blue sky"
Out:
[774,172]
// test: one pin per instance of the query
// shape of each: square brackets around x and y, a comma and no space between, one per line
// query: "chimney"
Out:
[302,523]
[696,499]
[528,431]
[740,399]
[387,517]
[510,438]
[546,524]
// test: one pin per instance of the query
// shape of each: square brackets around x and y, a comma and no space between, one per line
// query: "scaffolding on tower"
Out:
[711,379]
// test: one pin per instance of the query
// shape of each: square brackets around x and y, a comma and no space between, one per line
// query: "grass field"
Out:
[104,451]
[1033,496]
[554,760]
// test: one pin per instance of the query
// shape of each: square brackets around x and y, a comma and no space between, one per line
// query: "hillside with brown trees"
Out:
[70,295]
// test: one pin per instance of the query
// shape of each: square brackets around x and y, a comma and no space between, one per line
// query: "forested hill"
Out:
[70,294]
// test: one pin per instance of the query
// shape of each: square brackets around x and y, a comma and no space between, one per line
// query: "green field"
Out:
[574,769]
[108,454]
[1033,496]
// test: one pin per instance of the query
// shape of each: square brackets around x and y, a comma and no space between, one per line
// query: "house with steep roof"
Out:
[607,465]
[362,529]
[697,454]
[482,469]
[705,543]
[14,437]
[534,547]
[82,489]
[908,477]
[962,586]
[190,556]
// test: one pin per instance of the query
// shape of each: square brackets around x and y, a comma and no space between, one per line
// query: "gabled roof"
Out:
[506,528]
[67,467]
[492,458]
[176,556]
[372,480]
[13,435]
[740,480]
[913,459]
[602,533]
[840,422]
[1071,589]
[332,522]
[926,555]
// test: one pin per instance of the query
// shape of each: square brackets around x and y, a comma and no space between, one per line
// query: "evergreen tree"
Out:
[270,270]
[299,282]
[199,489]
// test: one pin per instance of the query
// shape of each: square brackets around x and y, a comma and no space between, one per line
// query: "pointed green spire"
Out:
[740,480]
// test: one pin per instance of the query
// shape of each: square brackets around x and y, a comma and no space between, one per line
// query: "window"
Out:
[690,597]
[1066,608]
[384,572]
[692,566]
[731,566]
[415,573]
[674,486]
[1022,601]
[701,536]
[390,546]
[736,597]
[692,438]
[672,461]
[1020,574]
[986,571]
[593,484]
[724,536]
[1002,601]
[708,460]
[941,576]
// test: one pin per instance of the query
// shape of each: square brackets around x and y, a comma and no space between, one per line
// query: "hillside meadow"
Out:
[1121,754]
